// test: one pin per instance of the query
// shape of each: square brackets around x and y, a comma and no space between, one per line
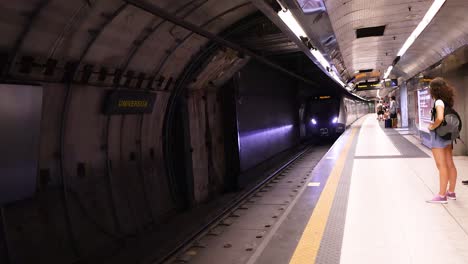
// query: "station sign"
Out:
[368,86]
[425,80]
[367,76]
[391,83]
[322,97]
[122,102]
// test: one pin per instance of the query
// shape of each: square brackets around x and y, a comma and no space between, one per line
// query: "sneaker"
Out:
[438,199]
[451,195]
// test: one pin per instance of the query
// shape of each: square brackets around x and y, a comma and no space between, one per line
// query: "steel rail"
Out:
[238,201]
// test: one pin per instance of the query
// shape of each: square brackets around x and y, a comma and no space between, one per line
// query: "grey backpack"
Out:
[451,126]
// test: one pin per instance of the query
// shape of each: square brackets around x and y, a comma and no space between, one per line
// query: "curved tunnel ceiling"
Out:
[446,33]
[117,35]
[112,33]
[376,52]
[117,39]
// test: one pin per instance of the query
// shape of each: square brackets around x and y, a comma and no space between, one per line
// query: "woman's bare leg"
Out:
[452,170]
[440,159]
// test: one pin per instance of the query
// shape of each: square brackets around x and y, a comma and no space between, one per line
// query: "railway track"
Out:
[236,232]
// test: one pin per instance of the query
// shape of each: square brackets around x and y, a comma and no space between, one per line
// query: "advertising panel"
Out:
[425,104]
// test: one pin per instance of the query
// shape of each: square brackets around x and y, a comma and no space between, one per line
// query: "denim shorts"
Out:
[438,142]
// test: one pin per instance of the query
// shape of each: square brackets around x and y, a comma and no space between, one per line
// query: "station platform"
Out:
[373,184]
[363,202]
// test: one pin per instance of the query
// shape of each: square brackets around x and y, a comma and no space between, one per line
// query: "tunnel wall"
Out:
[104,202]
[114,183]
[207,143]
[267,114]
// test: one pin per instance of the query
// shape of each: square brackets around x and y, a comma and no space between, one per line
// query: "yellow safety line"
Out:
[308,247]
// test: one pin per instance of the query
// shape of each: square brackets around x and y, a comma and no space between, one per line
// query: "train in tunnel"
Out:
[328,115]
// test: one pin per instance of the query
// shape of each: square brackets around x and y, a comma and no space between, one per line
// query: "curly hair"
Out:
[439,89]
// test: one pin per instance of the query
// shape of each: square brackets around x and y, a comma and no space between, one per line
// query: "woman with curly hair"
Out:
[442,149]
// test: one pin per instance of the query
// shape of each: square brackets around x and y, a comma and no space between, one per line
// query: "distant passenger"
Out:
[442,149]
[393,111]
[386,114]
[380,111]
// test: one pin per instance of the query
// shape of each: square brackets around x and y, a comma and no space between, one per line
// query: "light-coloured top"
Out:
[439,102]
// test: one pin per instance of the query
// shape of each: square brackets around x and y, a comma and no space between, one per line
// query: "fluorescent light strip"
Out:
[435,7]
[337,78]
[294,26]
[292,23]
[320,58]
[387,73]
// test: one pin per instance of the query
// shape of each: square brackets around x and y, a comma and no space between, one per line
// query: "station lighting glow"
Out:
[320,58]
[387,73]
[294,26]
[292,23]
[313,121]
[335,76]
[335,120]
[435,7]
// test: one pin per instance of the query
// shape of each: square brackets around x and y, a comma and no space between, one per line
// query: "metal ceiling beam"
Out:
[180,43]
[141,40]
[157,11]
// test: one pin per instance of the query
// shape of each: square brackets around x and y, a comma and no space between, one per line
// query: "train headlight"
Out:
[335,120]
[313,121]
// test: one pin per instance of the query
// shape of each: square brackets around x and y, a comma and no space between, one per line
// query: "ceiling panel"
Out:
[399,16]
[447,32]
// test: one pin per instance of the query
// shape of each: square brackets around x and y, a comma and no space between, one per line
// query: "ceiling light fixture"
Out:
[321,59]
[387,73]
[435,7]
[292,23]
[294,26]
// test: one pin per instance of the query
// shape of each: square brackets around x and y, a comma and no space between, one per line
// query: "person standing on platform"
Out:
[442,149]
[393,111]
[380,111]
